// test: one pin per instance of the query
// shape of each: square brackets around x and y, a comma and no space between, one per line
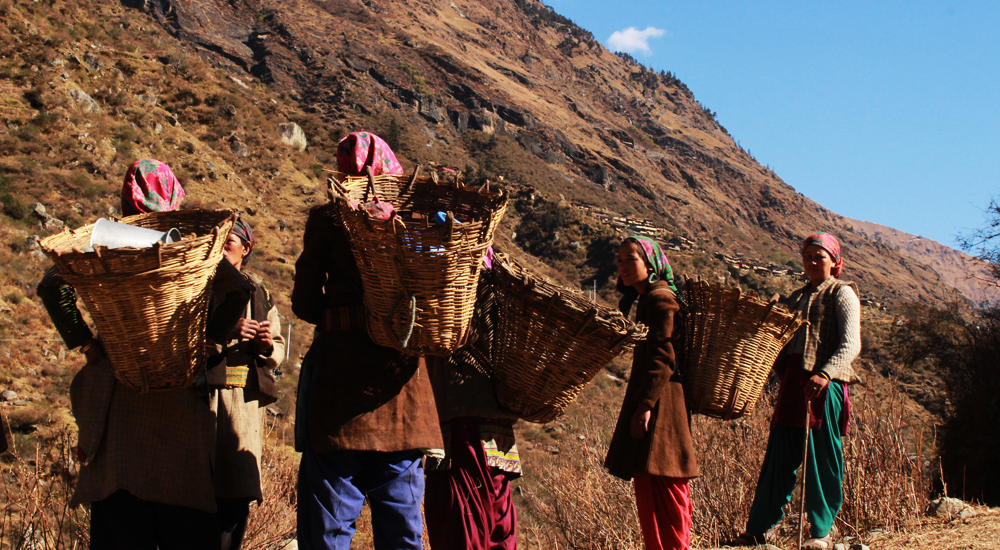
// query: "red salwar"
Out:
[468,506]
[665,509]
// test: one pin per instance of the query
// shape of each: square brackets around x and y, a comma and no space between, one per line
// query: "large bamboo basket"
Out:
[419,277]
[731,342]
[550,342]
[149,304]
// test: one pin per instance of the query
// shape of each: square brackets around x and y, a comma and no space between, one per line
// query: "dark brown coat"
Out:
[361,396]
[667,448]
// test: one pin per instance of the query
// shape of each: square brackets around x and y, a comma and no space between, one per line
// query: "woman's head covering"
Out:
[150,186]
[829,243]
[660,271]
[359,149]
[243,230]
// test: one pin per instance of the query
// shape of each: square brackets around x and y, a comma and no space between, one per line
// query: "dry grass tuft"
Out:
[886,481]
[729,458]
[35,490]
[272,522]
[574,503]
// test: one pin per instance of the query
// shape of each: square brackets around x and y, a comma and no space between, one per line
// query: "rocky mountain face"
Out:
[604,129]
[967,274]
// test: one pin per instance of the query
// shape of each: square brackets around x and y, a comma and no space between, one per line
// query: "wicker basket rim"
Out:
[47,248]
[352,183]
[569,298]
[744,297]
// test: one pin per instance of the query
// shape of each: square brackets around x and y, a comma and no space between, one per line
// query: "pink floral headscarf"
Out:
[360,149]
[150,186]
[829,243]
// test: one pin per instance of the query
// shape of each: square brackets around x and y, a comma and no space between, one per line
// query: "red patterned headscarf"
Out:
[359,149]
[829,243]
[150,186]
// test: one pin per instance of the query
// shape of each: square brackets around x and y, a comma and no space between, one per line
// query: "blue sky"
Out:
[887,112]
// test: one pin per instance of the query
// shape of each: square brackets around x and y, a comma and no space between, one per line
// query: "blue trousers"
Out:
[333,487]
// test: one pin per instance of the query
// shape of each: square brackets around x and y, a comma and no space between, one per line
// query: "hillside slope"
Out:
[604,129]
[967,274]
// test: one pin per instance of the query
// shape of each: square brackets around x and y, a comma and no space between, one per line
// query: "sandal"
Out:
[747,539]
[819,543]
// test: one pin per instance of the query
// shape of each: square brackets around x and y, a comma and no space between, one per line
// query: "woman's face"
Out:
[818,263]
[234,251]
[632,264]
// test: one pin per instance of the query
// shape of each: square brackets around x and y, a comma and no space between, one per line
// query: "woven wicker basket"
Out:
[550,342]
[731,342]
[420,277]
[150,304]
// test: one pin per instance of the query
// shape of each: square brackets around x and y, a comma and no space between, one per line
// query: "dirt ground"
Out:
[979,532]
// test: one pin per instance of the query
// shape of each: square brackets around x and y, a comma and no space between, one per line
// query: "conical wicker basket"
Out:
[732,340]
[419,277]
[550,342]
[149,304]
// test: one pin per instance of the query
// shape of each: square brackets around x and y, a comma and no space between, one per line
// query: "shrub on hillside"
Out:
[966,356]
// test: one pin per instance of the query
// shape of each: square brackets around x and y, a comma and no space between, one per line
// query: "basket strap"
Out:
[552,301]
[335,190]
[663,290]
[790,324]
[591,315]
[731,405]
[387,322]
[767,313]
[371,183]
[409,184]
[615,344]
[98,250]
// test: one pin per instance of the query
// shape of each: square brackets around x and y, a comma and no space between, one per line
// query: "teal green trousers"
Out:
[824,475]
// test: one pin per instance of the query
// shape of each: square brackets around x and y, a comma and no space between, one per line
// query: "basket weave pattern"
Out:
[150,305]
[731,342]
[419,277]
[550,342]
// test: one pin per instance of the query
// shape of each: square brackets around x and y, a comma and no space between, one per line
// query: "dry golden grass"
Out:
[571,501]
[272,522]
[35,489]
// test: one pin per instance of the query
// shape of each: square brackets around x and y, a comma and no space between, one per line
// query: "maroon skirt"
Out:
[790,408]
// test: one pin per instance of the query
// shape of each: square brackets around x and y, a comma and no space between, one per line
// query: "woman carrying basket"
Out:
[652,441]
[146,458]
[468,502]
[815,370]
[365,412]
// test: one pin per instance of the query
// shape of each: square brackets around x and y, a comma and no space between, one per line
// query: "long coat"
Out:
[667,448]
[354,394]
[239,411]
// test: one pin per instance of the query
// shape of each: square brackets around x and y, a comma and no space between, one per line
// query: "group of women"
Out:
[179,468]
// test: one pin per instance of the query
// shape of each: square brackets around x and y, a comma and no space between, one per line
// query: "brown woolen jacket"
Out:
[667,448]
[363,397]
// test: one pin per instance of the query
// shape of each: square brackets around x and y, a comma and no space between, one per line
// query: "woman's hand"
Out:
[815,386]
[245,329]
[640,421]
[263,338]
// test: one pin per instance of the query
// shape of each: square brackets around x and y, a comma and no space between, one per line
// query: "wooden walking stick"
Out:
[805,467]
